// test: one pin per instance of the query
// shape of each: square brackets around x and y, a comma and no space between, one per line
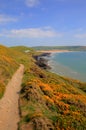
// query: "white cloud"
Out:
[80,35]
[32,3]
[31,33]
[5,19]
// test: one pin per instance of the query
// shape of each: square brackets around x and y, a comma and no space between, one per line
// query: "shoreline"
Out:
[65,71]
[43,58]
[44,61]
[54,51]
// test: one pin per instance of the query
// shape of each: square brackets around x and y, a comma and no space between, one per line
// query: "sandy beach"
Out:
[54,51]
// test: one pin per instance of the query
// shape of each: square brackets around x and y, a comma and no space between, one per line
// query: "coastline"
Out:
[62,70]
[45,61]
[42,61]
[54,51]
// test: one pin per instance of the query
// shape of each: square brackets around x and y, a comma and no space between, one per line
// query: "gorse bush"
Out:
[57,98]
[8,66]
[47,101]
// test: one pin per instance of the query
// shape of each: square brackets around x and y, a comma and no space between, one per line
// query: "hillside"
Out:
[8,65]
[70,48]
[48,101]
[51,102]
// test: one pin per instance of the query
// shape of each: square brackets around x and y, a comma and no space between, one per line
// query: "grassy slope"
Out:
[7,67]
[10,59]
[49,101]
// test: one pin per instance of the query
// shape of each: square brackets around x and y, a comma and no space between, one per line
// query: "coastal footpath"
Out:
[47,101]
[9,104]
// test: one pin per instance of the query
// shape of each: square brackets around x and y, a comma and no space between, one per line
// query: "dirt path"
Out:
[9,111]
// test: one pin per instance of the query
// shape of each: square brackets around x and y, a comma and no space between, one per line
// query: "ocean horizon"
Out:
[69,64]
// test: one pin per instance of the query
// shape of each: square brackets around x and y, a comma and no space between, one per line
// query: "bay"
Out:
[69,64]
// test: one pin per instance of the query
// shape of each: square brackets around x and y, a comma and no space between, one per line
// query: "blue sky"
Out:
[43,22]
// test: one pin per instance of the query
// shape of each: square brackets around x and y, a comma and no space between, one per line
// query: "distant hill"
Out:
[70,48]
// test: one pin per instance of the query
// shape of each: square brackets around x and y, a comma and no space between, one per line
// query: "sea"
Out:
[69,64]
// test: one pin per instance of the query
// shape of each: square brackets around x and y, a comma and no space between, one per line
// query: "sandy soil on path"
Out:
[9,108]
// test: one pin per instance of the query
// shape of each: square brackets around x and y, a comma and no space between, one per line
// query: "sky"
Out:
[43,22]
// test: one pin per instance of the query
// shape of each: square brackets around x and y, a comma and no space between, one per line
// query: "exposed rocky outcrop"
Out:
[42,60]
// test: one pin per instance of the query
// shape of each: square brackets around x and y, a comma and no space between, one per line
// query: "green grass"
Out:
[54,109]
[60,100]
[8,66]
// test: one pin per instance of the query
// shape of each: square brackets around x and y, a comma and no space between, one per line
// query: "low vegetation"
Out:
[8,66]
[48,101]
